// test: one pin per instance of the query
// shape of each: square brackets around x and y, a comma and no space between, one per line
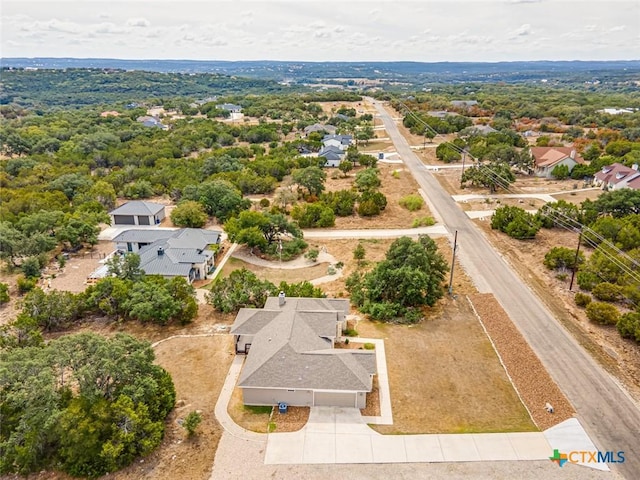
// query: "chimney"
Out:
[281,299]
[572,155]
[160,251]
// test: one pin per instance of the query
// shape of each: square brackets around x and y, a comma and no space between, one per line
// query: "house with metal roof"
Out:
[186,252]
[332,155]
[137,212]
[545,159]
[340,141]
[617,176]
[229,107]
[291,356]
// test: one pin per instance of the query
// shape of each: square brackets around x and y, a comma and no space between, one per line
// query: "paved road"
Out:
[604,409]
[434,231]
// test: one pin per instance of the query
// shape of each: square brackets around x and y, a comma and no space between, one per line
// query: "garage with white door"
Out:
[334,399]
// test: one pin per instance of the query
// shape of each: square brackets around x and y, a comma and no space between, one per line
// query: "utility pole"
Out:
[453,261]
[575,261]
[464,156]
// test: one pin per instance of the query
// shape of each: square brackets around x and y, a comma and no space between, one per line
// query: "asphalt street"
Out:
[605,410]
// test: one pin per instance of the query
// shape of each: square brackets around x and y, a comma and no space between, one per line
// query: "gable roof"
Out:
[291,347]
[550,156]
[343,139]
[138,207]
[331,153]
[618,173]
[171,252]
[318,127]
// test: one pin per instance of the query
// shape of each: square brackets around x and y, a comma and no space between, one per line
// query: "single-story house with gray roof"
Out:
[137,212]
[184,252]
[291,356]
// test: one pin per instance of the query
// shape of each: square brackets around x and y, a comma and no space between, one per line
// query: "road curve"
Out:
[604,409]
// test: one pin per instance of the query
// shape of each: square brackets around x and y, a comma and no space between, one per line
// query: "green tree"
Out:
[104,193]
[345,167]
[368,179]
[618,203]
[515,222]
[493,175]
[53,310]
[189,214]
[313,215]
[312,178]
[410,276]
[241,288]
[560,172]
[220,198]
[125,267]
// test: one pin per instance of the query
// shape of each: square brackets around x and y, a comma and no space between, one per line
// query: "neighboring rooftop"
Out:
[138,207]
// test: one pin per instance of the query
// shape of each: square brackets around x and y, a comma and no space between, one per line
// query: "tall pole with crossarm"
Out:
[453,262]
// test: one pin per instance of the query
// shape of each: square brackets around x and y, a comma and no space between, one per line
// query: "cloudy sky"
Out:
[347,30]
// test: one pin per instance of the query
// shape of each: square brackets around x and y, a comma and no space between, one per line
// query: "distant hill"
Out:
[315,71]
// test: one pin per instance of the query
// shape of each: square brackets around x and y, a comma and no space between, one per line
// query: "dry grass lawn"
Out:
[276,275]
[445,376]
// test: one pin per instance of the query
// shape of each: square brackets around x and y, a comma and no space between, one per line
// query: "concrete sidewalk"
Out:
[339,435]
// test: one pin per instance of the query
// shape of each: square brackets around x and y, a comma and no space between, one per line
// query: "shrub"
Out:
[629,325]
[515,222]
[383,311]
[290,249]
[560,172]
[412,202]
[4,293]
[26,284]
[359,252]
[31,267]
[423,222]
[191,423]
[602,313]
[369,346]
[368,208]
[582,299]
[312,254]
[264,203]
[607,292]
[350,332]
[313,215]
[587,280]
[561,258]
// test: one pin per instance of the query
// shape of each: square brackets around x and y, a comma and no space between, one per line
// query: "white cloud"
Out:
[523,30]
[617,28]
[138,22]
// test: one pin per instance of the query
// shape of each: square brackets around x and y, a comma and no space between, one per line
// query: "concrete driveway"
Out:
[339,435]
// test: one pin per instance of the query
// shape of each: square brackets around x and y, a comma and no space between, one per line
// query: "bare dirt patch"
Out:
[277,275]
[445,376]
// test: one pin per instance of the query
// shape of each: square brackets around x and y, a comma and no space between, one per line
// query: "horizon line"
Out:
[311,61]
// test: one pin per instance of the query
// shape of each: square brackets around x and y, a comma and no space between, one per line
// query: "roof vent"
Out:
[160,251]
[281,299]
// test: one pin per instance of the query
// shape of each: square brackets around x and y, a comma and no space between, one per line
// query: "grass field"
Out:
[445,376]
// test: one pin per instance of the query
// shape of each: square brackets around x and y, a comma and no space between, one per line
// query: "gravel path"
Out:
[529,377]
